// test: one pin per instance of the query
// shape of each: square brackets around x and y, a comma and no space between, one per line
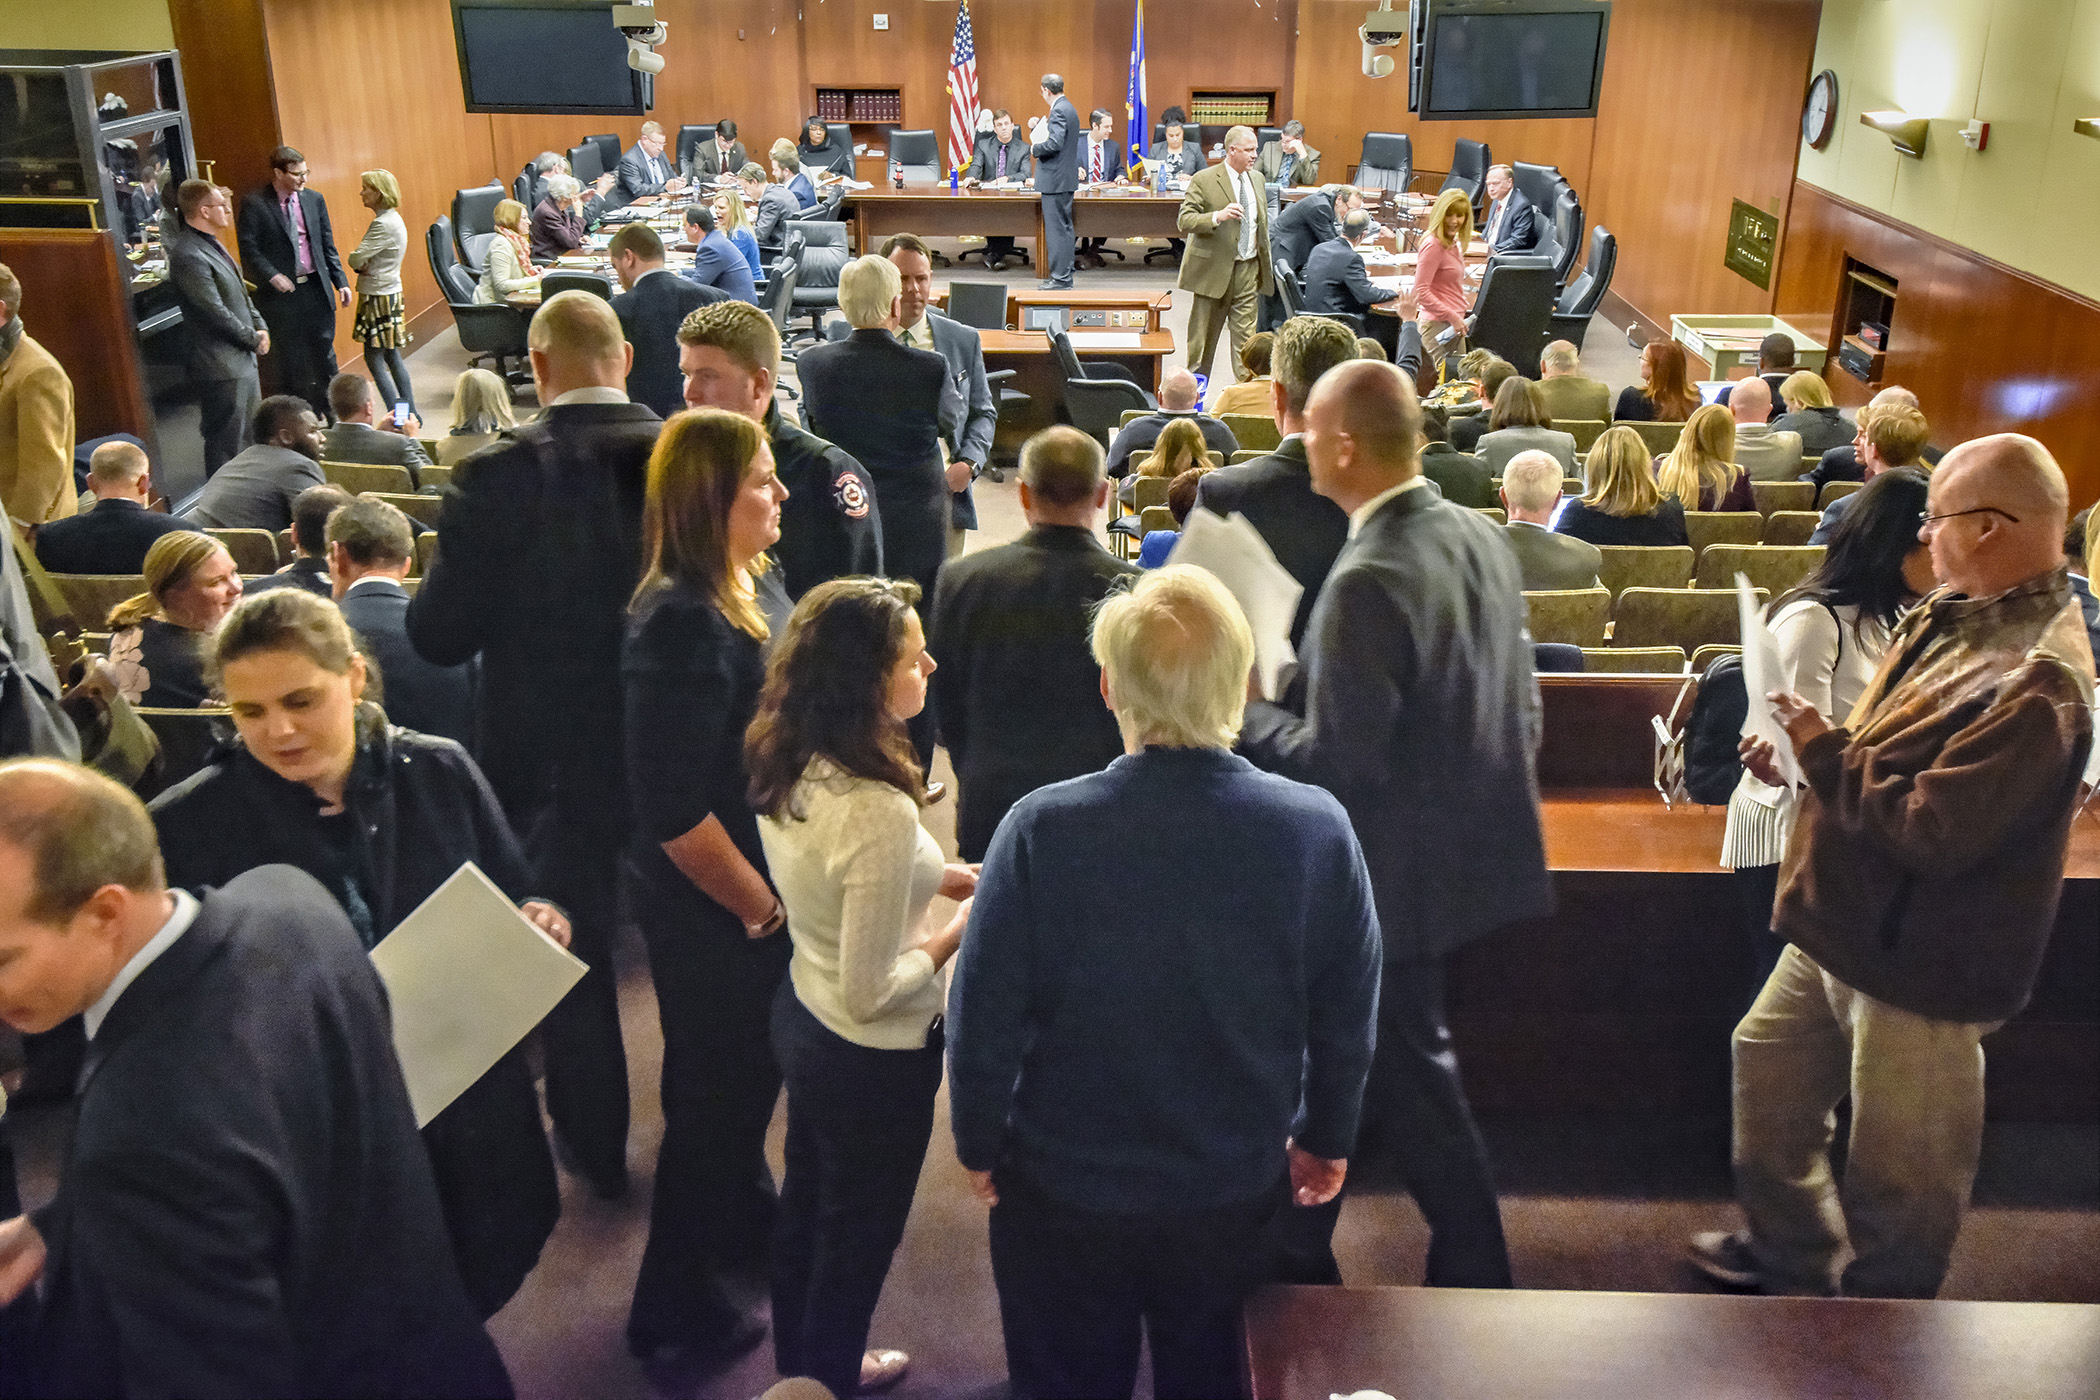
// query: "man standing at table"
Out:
[652,304]
[288,252]
[1422,716]
[1226,268]
[1054,142]
[968,441]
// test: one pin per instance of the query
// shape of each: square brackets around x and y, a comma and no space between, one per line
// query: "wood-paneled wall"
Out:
[1986,348]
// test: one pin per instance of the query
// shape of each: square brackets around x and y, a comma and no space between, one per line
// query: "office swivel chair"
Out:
[1469,167]
[1582,296]
[609,151]
[596,283]
[1514,311]
[474,224]
[487,332]
[585,162]
[1388,162]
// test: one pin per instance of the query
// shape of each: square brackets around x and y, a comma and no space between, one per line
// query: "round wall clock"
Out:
[1819,113]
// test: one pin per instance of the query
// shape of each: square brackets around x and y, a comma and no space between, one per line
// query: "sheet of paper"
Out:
[468,977]
[1761,676]
[1106,340]
[1234,550]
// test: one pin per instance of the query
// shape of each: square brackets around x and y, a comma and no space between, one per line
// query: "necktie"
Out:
[1247,214]
[302,250]
[1290,163]
[1495,222]
[1002,164]
[1097,162]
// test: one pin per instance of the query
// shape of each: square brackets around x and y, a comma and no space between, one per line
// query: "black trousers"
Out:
[714,1204]
[1076,1287]
[302,340]
[859,1120]
[1057,238]
[575,862]
[1416,1102]
[226,416]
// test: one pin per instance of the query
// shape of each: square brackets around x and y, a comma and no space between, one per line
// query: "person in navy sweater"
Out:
[1139,1086]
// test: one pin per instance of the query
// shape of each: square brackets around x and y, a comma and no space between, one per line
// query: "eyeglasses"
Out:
[1926,520]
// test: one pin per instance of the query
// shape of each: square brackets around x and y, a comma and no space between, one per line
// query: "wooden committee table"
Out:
[931,210]
[1489,1344]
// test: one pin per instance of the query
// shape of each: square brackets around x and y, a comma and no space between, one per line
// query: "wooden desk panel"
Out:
[1539,1344]
[1598,733]
[1126,216]
[932,212]
[1037,374]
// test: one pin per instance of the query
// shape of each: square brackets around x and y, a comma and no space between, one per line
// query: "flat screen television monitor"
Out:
[1485,60]
[545,56]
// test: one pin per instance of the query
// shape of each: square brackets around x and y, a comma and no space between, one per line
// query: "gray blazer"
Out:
[970,438]
[1498,447]
[775,207]
[377,259]
[1422,716]
[222,328]
[255,490]
[361,442]
[1549,560]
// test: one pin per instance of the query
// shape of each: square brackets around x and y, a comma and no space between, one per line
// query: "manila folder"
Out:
[468,976]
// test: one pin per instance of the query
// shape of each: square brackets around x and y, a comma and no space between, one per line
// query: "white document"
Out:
[468,976]
[1761,676]
[1234,550]
[1105,340]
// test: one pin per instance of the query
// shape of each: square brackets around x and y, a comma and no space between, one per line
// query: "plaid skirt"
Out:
[382,321]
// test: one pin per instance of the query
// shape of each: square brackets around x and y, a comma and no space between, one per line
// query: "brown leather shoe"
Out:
[882,1368]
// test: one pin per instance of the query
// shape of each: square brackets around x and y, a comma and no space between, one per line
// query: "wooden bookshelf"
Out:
[871,113]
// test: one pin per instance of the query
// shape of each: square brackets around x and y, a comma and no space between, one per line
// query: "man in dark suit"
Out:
[288,252]
[1100,163]
[1421,714]
[1463,477]
[1335,280]
[968,441]
[370,548]
[246,1207]
[1545,559]
[645,169]
[1275,493]
[1055,143]
[309,567]
[222,331]
[1017,691]
[357,437]
[1775,363]
[829,528]
[652,305]
[1177,399]
[722,155]
[1000,154]
[1513,225]
[539,550]
[113,537]
[1307,222]
[716,261]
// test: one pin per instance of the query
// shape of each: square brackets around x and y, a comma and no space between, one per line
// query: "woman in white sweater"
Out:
[857,1026]
[382,322]
[509,271]
[1832,631]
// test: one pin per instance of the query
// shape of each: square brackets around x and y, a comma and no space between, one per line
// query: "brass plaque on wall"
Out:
[1753,241]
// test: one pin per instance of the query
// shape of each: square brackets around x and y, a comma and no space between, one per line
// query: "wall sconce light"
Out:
[2087,126]
[1905,131]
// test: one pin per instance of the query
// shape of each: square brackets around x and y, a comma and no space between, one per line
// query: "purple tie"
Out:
[299,239]
[1002,164]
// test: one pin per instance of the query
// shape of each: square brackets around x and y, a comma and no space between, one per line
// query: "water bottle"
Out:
[897,173]
[954,181]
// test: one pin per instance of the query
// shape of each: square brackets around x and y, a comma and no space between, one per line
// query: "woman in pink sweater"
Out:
[1440,273]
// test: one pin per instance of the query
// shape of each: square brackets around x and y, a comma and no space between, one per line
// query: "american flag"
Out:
[962,92]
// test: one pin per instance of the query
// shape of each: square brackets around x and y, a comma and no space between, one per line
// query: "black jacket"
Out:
[1335,280]
[1017,691]
[266,243]
[1303,225]
[1057,156]
[829,524]
[889,406]
[245,1208]
[417,695]
[539,549]
[1519,232]
[650,314]
[984,158]
[1422,716]
[1663,526]
[308,573]
[1463,478]
[419,809]
[110,539]
[1304,531]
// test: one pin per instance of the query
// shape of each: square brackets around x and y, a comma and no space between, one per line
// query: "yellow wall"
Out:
[87,24]
[2031,199]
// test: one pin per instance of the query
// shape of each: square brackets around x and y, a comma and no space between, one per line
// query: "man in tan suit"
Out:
[1226,267]
[36,420]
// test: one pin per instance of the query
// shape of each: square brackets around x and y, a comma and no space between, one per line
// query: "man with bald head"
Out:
[1917,896]
[113,537]
[1177,399]
[1766,454]
[1421,714]
[539,549]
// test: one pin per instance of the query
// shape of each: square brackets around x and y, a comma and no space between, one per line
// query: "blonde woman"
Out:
[1700,471]
[1621,504]
[481,412]
[509,271]
[1440,274]
[157,654]
[1179,448]
[734,221]
[1810,413]
[382,322]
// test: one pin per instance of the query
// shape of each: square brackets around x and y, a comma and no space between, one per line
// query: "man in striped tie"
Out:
[1102,162]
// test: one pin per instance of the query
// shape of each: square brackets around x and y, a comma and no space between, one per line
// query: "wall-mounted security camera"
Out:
[1383,28]
[644,32]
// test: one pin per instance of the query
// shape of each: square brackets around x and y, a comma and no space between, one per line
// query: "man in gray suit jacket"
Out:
[257,489]
[356,436]
[1422,716]
[969,439]
[223,333]
[1054,143]
[1530,495]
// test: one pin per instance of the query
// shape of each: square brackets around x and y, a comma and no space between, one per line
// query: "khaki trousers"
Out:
[1235,311]
[1917,1130]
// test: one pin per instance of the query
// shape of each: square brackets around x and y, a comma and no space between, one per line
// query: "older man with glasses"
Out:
[1917,897]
